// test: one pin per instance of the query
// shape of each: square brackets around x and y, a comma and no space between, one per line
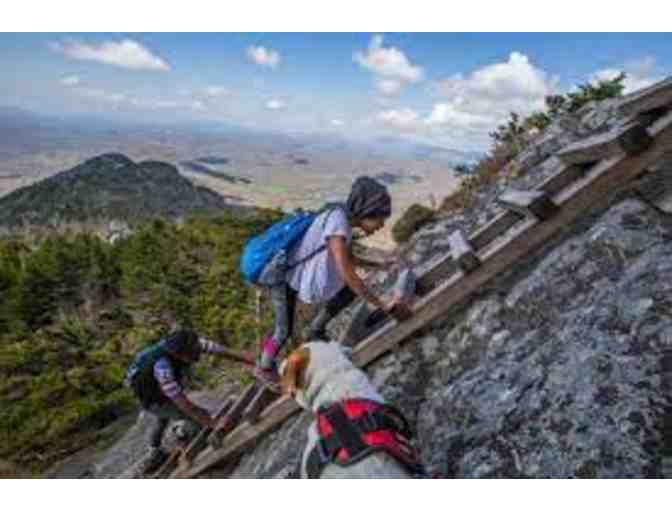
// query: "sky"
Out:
[449,89]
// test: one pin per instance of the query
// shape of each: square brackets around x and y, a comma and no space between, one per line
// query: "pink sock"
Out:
[268,351]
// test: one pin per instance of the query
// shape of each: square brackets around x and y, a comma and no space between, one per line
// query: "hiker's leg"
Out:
[291,309]
[157,430]
[155,455]
[318,326]
[283,300]
[170,411]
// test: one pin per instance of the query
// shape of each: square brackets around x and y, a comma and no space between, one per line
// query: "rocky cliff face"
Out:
[110,186]
[561,368]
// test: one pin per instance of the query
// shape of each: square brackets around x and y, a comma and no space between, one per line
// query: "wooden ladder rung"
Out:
[535,203]
[168,466]
[631,138]
[232,417]
[261,401]
[656,189]
[650,98]
[200,441]
[463,253]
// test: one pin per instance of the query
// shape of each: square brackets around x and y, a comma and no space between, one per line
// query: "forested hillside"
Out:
[74,308]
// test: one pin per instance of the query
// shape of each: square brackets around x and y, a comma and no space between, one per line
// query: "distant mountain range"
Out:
[423,151]
[16,123]
[110,186]
[390,146]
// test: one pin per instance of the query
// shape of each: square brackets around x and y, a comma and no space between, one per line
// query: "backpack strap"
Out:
[320,249]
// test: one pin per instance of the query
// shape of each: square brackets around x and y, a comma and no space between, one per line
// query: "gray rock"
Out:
[562,370]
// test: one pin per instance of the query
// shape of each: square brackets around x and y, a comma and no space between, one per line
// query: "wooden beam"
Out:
[446,266]
[463,252]
[563,177]
[200,441]
[168,466]
[535,203]
[244,437]
[440,270]
[187,454]
[261,400]
[232,418]
[580,197]
[631,138]
[651,98]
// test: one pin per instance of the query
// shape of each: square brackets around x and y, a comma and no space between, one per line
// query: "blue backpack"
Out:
[282,236]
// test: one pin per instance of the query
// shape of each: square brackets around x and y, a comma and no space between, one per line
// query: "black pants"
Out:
[283,299]
[317,328]
[284,318]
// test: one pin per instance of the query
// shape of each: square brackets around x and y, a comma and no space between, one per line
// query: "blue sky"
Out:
[450,89]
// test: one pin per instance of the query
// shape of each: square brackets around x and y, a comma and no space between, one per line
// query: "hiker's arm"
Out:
[196,413]
[344,262]
[343,257]
[172,389]
[210,347]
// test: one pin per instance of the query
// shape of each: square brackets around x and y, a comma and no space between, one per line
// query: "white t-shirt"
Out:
[317,280]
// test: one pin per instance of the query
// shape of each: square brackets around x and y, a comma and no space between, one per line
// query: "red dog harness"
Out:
[354,429]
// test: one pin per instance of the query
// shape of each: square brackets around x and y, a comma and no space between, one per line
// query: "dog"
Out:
[319,376]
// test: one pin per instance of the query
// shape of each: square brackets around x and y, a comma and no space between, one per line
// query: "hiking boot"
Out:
[153,460]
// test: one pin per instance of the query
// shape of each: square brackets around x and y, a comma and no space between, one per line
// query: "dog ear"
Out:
[293,372]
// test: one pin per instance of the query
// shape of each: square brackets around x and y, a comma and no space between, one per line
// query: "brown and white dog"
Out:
[320,374]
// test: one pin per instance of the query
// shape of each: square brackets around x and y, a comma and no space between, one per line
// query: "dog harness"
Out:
[353,429]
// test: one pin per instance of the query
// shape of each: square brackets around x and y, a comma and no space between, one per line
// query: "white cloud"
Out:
[155,104]
[389,87]
[388,62]
[263,56]
[639,74]
[337,122]
[70,81]
[404,119]
[471,106]
[513,85]
[125,53]
[216,91]
[122,100]
[198,105]
[275,104]
[104,95]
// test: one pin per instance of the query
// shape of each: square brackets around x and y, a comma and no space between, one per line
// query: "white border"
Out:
[340,15]
[332,495]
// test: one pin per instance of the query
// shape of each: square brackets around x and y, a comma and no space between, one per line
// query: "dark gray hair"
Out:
[368,199]
[183,342]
